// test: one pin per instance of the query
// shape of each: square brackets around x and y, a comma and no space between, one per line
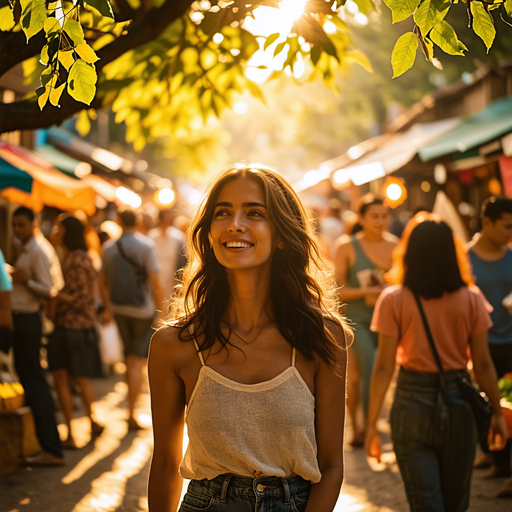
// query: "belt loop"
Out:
[287,495]
[224,490]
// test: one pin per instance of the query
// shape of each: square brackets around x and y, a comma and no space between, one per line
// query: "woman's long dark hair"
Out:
[431,266]
[73,237]
[303,292]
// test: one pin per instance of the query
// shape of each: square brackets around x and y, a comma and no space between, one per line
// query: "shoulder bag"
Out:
[479,403]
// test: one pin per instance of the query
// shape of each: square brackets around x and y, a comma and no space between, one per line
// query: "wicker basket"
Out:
[11,403]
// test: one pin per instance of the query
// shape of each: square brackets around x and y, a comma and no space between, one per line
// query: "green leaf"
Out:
[74,30]
[365,6]
[43,59]
[483,24]
[86,53]
[103,6]
[429,13]
[508,7]
[33,16]
[427,47]
[55,94]
[46,76]
[66,58]
[6,19]
[82,82]
[404,53]
[315,53]
[270,39]
[51,25]
[83,125]
[43,98]
[445,37]
[401,9]
[359,57]
[279,48]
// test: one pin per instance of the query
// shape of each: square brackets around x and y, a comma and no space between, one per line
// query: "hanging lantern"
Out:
[394,192]
[164,198]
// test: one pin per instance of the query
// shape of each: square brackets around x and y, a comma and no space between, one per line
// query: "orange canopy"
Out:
[52,187]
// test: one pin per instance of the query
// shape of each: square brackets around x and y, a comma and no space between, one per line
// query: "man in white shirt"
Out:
[31,285]
[170,245]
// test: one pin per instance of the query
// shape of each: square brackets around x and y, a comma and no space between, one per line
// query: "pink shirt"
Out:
[454,319]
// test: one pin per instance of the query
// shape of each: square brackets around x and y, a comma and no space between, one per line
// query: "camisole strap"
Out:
[199,353]
[294,352]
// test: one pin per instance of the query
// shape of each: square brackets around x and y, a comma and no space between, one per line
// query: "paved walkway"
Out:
[110,474]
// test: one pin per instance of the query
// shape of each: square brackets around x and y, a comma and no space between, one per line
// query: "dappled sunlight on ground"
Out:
[110,473]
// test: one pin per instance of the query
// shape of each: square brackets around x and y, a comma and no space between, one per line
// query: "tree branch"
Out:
[125,10]
[15,49]
[26,115]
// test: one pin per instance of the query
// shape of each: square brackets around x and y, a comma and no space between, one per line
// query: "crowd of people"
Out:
[257,341]
[57,281]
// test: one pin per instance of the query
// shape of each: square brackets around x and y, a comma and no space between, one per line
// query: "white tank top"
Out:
[253,430]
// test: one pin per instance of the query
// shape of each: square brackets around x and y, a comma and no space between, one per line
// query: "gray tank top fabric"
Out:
[357,310]
[253,430]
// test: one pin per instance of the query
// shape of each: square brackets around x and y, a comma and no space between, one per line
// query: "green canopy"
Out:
[11,176]
[473,131]
[63,162]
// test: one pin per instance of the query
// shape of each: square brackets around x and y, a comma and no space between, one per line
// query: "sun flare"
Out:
[266,21]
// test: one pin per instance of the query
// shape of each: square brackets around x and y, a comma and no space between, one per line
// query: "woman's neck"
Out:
[249,306]
[372,236]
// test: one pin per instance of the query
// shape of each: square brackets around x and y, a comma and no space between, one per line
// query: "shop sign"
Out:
[506,174]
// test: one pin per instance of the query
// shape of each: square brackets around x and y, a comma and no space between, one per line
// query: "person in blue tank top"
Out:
[491,259]
[360,260]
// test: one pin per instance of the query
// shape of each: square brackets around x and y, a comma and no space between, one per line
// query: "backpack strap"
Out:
[139,270]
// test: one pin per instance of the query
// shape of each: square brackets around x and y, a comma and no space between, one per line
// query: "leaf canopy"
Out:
[163,64]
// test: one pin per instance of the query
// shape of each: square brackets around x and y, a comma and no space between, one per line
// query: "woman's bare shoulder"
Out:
[392,239]
[168,347]
[340,331]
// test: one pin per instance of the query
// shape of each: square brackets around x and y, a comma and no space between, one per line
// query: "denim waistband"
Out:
[422,380]
[265,486]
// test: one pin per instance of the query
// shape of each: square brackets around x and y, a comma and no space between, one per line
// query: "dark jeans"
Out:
[435,447]
[501,355]
[229,493]
[26,344]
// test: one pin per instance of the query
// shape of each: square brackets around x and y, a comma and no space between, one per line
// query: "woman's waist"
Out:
[240,485]
[412,379]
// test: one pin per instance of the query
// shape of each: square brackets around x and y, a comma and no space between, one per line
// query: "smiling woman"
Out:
[256,354]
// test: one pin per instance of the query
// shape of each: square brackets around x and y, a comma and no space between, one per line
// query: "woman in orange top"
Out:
[434,449]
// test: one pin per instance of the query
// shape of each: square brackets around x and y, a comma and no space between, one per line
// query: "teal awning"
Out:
[473,131]
[63,162]
[11,176]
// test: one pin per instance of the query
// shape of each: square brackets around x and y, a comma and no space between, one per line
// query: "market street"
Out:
[111,473]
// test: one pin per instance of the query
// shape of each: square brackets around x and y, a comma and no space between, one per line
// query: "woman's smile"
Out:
[241,232]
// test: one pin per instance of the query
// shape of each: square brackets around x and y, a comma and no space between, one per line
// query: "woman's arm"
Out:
[329,425]
[381,377]
[167,406]
[488,382]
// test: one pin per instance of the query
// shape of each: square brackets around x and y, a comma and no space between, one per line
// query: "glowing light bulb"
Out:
[394,191]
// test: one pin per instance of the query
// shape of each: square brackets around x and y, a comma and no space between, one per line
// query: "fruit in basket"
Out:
[9,398]
[18,388]
[505,386]
[6,391]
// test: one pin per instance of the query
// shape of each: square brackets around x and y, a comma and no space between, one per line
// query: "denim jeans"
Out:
[229,493]
[435,446]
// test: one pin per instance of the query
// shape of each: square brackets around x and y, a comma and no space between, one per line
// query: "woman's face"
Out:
[375,219]
[241,232]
